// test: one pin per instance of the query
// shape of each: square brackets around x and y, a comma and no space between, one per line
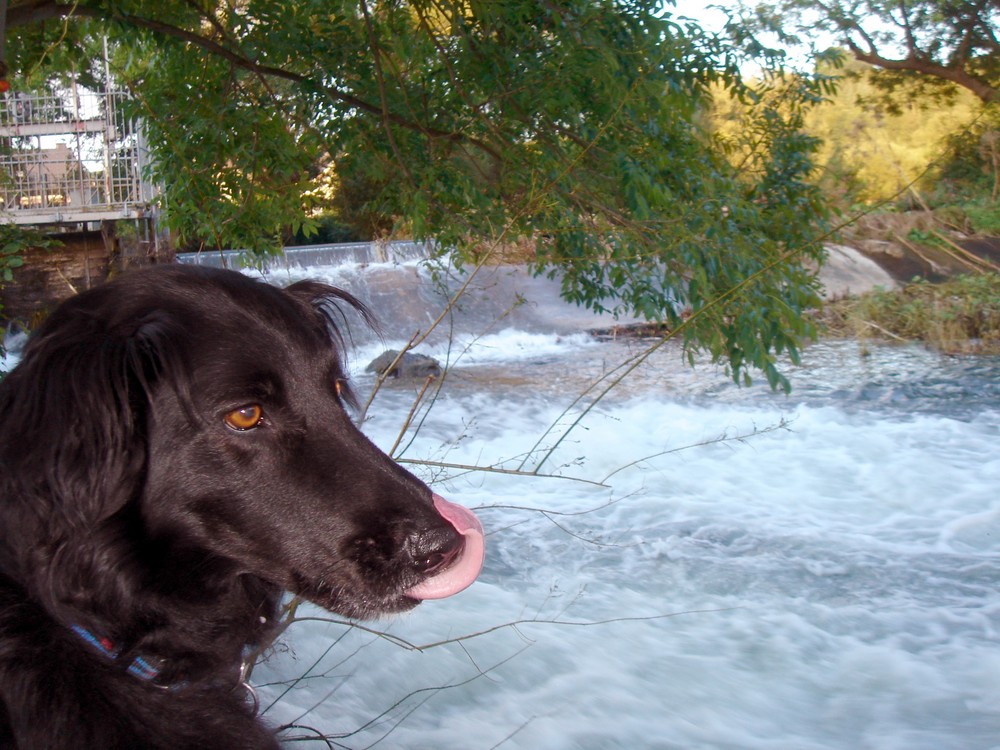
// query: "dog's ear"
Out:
[331,310]
[332,307]
[74,410]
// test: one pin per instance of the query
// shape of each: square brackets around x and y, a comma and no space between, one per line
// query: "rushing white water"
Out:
[729,568]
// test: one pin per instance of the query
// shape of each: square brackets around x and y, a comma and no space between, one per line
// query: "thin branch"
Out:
[473,468]
[512,624]
[782,424]
[409,417]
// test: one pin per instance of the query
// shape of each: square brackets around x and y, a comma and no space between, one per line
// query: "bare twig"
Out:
[782,424]
[513,624]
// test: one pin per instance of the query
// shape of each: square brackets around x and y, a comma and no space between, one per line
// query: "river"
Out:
[682,564]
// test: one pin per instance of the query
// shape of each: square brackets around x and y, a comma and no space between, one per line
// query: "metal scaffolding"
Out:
[70,157]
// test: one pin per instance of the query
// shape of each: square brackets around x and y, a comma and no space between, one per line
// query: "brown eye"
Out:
[245,418]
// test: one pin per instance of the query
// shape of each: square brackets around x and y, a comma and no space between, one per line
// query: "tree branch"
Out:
[955,74]
[964,35]
[41,10]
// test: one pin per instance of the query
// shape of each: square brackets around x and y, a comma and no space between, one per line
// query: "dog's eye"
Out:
[245,418]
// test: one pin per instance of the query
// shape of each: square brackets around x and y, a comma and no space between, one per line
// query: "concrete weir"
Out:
[406,293]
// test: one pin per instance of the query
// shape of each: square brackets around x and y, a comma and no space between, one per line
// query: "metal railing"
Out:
[70,157]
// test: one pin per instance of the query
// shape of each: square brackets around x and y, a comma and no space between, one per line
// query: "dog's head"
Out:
[179,420]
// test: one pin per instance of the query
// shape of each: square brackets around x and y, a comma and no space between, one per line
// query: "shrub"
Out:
[959,315]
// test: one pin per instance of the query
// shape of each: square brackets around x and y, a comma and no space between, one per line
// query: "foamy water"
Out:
[817,571]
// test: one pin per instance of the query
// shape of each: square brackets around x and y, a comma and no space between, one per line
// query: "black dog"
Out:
[174,453]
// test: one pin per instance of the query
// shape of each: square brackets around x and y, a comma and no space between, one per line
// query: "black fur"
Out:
[130,508]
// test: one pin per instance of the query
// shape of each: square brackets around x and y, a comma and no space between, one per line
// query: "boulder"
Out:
[410,365]
[848,271]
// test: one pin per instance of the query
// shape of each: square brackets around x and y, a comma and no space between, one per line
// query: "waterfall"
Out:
[301,256]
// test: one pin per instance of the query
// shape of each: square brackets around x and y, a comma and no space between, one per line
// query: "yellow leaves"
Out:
[882,153]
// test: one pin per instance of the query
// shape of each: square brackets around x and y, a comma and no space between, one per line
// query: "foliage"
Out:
[984,216]
[913,153]
[327,229]
[936,44]
[577,125]
[972,164]
[959,315]
[14,241]
[870,152]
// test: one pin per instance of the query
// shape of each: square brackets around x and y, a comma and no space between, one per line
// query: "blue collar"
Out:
[140,667]
[147,671]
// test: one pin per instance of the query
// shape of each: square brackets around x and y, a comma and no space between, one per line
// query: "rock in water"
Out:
[410,365]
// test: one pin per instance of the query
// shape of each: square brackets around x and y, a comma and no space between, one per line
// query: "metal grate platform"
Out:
[70,157]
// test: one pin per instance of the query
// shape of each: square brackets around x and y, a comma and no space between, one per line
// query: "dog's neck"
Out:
[193,617]
[150,669]
[146,669]
[188,648]
[191,641]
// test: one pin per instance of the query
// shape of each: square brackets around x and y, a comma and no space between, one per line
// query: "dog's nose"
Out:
[436,550]
[457,563]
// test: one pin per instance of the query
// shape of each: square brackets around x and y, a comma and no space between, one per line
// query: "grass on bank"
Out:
[983,215]
[961,315]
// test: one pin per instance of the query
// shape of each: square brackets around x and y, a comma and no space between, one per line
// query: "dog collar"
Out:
[140,666]
[148,670]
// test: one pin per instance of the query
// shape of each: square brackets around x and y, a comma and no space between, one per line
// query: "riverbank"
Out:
[957,316]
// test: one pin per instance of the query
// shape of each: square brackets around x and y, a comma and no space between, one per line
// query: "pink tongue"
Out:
[463,571]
